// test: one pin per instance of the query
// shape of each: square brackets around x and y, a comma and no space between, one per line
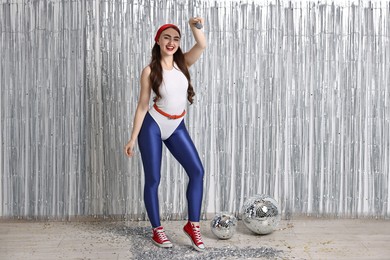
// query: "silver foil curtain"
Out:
[292,100]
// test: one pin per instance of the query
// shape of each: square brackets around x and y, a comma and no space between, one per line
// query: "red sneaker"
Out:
[193,232]
[159,237]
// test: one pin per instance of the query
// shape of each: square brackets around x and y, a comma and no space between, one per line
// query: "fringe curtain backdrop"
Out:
[292,100]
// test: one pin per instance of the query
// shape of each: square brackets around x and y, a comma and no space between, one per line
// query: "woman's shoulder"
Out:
[146,71]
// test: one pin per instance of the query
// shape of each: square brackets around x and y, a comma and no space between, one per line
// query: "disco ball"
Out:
[223,225]
[261,214]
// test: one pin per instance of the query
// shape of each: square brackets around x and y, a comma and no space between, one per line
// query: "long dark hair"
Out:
[156,76]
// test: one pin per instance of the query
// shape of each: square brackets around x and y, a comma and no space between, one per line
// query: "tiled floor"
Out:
[302,238]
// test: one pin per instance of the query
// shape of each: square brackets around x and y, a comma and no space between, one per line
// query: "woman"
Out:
[168,77]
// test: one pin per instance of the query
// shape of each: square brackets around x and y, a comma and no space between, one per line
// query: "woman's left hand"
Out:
[195,20]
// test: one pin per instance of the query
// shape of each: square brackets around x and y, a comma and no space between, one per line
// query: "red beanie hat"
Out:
[163,28]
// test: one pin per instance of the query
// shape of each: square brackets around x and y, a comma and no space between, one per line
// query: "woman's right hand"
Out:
[129,148]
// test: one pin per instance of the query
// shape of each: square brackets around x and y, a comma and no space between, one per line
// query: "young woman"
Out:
[167,76]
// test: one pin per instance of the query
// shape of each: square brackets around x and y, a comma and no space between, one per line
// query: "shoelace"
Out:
[161,235]
[197,236]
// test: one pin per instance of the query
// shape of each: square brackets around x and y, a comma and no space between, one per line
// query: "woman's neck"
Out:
[167,62]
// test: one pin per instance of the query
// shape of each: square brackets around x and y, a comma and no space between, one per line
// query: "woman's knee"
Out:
[197,173]
[152,182]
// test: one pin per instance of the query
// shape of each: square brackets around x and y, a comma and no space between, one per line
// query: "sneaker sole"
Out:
[166,245]
[193,244]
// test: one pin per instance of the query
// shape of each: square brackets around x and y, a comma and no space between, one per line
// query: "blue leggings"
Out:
[183,149]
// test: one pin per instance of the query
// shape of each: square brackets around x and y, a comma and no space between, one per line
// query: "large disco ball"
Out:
[223,225]
[261,214]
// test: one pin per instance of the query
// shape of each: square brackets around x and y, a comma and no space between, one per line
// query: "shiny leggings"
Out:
[183,149]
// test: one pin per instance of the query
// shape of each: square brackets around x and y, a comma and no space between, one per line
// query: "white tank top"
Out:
[173,91]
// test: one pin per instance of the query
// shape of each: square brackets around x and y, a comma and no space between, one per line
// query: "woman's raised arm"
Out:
[196,51]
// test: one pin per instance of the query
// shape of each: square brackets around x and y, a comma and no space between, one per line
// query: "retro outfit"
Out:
[164,123]
[157,129]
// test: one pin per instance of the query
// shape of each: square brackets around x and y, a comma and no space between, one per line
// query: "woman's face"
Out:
[169,41]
